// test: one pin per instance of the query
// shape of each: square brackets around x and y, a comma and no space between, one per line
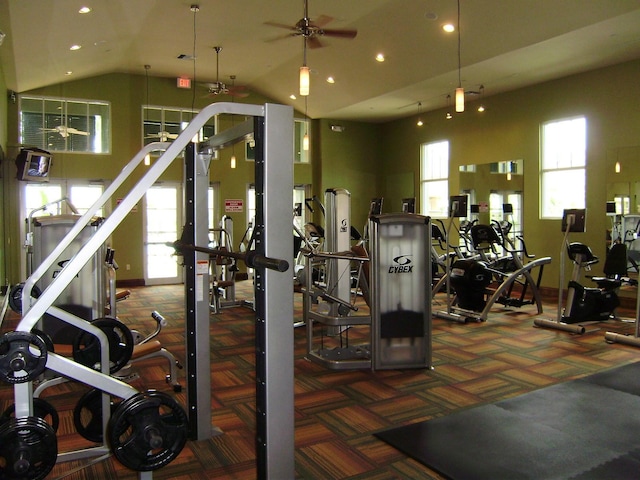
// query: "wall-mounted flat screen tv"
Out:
[33,165]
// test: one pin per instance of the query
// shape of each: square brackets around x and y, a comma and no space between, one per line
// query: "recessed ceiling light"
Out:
[68,73]
[84,10]
[331,80]
[75,47]
[449,27]
[380,57]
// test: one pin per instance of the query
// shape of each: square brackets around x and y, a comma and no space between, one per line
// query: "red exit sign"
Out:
[184,82]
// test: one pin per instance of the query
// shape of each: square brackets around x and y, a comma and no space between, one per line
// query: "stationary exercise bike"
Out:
[593,304]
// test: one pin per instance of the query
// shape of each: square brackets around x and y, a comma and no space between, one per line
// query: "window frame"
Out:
[65,117]
[428,177]
[568,160]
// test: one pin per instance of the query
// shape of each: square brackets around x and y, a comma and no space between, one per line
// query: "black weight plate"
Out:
[23,357]
[41,409]
[45,338]
[86,347]
[15,296]
[147,431]
[87,416]
[28,448]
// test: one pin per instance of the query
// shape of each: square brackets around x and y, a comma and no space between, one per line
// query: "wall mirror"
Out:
[492,185]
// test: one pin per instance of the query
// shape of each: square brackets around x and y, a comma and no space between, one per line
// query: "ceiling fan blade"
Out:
[314,42]
[76,131]
[281,37]
[279,25]
[321,21]
[329,32]
[238,94]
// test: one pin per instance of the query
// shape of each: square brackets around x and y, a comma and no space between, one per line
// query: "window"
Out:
[563,166]
[164,124]
[62,125]
[300,155]
[301,128]
[212,204]
[80,195]
[434,179]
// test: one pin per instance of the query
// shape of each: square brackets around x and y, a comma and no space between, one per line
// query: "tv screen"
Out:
[409,205]
[33,165]
[574,219]
[458,206]
[375,207]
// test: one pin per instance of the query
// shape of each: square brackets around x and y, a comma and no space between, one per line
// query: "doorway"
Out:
[162,217]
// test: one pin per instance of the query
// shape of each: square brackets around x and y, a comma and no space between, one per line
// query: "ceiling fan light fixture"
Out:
[304,81]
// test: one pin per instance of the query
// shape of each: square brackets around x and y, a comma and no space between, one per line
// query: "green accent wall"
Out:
[509,129]
[372,159]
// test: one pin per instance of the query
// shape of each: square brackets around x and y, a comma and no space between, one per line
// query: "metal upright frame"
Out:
[274,339]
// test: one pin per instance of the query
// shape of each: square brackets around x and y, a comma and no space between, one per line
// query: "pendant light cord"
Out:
[195,10]
[459,61]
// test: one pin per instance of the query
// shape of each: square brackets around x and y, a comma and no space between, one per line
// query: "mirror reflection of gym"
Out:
[623,204]
[491,185]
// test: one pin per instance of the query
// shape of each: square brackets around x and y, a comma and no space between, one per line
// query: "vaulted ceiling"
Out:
[504,45]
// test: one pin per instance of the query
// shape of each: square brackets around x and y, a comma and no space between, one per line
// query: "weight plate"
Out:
[41,409]
[28,448]
[147,431]
[45,338]
[23,357]
[87,415]
[86,347]
[15,296]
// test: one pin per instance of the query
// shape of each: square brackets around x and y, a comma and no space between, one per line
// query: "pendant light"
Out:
[419,122]
[481,108]
[233,147]
[304,71]
[448,115]
[459,90]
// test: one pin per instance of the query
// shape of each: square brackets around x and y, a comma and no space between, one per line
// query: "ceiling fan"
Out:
[311,30]
[65,131]
[219,88]
[163,136]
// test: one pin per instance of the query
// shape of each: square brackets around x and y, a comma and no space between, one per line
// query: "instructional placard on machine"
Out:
[233,205]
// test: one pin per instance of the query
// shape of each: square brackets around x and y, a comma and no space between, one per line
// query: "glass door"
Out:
[162,217]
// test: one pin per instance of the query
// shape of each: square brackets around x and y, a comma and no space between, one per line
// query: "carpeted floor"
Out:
[338,412]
